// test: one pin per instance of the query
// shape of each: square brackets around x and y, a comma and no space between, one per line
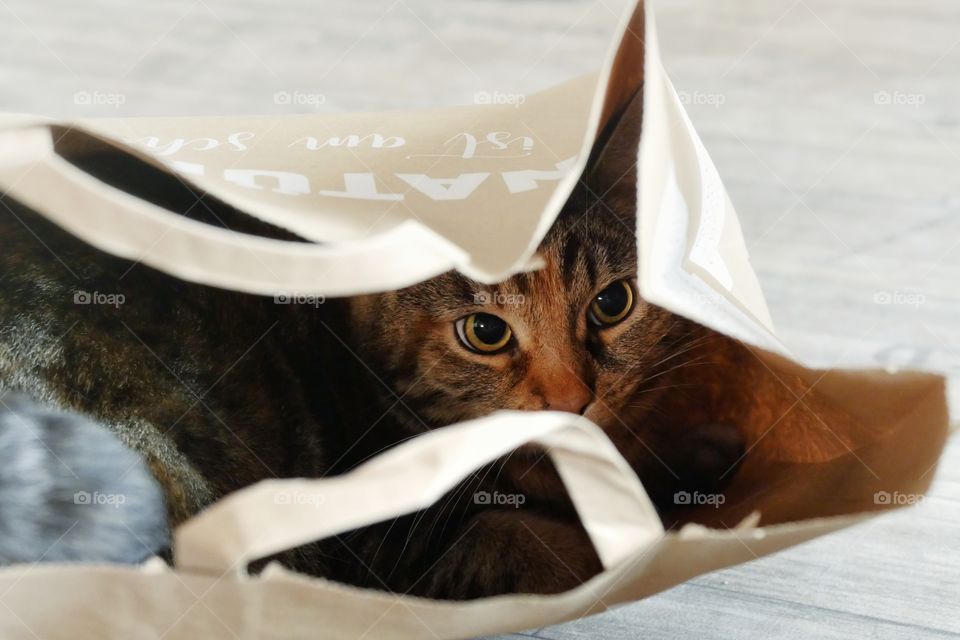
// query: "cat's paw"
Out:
[503,552]
[712,453]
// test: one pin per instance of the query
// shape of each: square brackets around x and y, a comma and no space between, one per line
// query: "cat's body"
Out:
[218,390]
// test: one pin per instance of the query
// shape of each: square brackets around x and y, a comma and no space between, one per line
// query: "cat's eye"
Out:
[483,333]
[611,305]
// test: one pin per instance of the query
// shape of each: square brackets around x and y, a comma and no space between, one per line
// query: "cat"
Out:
[217,390]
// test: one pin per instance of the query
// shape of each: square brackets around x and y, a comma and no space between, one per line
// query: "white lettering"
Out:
[458,188]
[361,186]
[287,182]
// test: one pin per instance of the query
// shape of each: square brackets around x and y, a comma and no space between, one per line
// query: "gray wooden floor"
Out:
[835,123]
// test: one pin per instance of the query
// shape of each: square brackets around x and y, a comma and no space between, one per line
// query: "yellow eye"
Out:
[483,333]
[612,305]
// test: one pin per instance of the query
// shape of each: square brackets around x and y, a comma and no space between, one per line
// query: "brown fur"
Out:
[219,390]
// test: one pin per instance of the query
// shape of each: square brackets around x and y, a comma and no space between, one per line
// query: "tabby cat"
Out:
[217,390]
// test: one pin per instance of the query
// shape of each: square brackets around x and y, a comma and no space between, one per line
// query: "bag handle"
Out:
[276,515]
[114,221]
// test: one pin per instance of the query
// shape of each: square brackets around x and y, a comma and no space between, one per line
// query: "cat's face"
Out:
[574,336]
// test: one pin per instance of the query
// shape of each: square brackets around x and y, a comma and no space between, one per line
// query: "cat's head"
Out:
[573,336]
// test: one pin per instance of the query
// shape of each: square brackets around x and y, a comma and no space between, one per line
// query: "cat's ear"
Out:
[611,171]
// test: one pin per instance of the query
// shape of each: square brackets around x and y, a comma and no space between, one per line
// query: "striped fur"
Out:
[217,390]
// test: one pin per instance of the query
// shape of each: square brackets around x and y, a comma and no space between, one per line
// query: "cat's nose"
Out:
[570,398]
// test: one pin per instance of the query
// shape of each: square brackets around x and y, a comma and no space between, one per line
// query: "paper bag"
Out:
[388,200]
